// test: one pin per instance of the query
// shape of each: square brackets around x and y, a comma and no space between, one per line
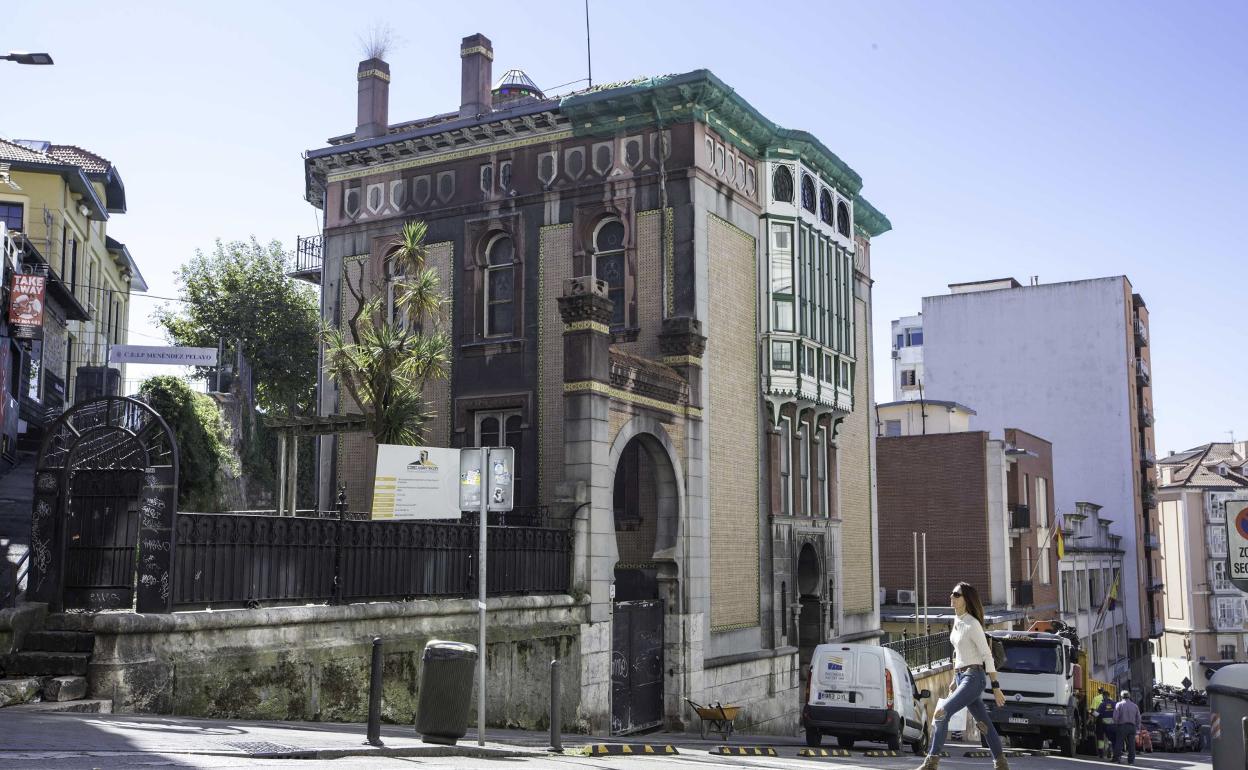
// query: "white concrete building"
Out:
[1070,361]
[907,357]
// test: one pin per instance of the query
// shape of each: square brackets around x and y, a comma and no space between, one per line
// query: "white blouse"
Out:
[970,644]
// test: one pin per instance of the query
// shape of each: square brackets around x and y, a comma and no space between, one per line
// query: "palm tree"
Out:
[395,342]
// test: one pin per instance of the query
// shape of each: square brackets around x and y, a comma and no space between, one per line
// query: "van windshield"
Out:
[1031,658]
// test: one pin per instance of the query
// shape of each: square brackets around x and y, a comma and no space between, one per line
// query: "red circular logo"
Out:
[1241,523]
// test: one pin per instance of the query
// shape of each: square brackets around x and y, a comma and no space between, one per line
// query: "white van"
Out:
[864,692]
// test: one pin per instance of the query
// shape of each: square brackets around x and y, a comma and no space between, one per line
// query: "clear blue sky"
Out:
[1066,140]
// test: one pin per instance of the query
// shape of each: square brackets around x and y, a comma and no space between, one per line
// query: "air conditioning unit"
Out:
[905,597]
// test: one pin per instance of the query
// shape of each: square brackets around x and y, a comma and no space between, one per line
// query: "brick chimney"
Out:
[476,54]
[373,107]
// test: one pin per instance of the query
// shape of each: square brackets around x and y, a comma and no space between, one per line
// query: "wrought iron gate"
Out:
[637,666]
[105,496]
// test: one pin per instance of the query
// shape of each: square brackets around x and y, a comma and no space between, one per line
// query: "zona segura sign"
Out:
[1237,543]
[159,354]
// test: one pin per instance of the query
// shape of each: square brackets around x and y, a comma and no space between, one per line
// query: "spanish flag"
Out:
[1061,541]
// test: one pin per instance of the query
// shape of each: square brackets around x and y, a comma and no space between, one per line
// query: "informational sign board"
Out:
[415,482]
[499,478]
[1237,542]
[158,354]
[27,295]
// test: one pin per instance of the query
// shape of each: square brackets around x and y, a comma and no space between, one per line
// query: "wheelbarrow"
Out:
[717,717]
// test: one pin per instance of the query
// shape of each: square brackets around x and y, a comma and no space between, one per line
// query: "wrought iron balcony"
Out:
[1149,500]
[1147,458]
[1141,372]
[308,258]
[1146,416]
[1020,516]
[1024,596]
[1141,333]
[1151,543]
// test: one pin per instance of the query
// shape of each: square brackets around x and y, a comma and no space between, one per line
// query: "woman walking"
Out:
[974,669]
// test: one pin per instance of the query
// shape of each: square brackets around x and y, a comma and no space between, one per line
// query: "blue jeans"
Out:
[969,695]
[1125,738]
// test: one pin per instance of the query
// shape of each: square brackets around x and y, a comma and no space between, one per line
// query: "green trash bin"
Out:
[446,674]
[1228,706]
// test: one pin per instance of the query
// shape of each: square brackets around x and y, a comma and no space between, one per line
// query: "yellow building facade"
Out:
[55,206]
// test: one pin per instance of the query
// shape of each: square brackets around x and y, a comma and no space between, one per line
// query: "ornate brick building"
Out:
[661,300]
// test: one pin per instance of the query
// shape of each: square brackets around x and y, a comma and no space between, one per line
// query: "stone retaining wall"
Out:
[312,662]
[767,685]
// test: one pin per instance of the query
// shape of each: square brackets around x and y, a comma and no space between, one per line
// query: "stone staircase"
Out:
[48,673]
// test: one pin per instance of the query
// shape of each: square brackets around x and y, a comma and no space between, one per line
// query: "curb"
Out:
[745,751]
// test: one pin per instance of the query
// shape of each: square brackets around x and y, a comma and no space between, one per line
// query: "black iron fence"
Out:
[924,651]
[308,254]
[241,560]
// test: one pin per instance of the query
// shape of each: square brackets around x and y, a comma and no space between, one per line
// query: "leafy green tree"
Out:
[241,292]
[394,343]
[202,436]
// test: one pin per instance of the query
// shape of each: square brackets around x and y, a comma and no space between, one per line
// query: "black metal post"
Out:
[374,697]
[338,538]
[556,714]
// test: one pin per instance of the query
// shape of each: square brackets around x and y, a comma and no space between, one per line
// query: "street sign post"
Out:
[486,481]
[1237,543]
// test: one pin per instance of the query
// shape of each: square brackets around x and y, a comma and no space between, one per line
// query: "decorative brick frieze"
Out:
[646,378]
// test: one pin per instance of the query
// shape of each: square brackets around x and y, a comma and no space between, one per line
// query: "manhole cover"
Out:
[261,747]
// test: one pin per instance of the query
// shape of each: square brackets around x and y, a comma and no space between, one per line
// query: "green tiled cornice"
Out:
[699,95]
[869,218]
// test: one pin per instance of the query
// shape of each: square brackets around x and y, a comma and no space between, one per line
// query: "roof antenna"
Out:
[589,58]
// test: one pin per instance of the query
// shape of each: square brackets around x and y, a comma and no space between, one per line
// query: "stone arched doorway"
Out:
[810,626]
[106,489]
[646,504]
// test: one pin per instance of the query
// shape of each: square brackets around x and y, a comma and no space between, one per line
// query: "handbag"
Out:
[957,722]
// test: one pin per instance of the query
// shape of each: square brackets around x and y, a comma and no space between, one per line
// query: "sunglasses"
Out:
[956,594]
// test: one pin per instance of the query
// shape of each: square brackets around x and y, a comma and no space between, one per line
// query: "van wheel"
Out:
[919,747]
[813,737]
[845,743]
[894,742]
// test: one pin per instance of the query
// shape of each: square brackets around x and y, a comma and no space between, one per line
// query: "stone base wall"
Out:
[769,690]
[312,663]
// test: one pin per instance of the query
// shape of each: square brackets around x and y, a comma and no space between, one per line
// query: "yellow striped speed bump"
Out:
[618,749]
[745,751]
[977,753]
[881,753]
[823,752]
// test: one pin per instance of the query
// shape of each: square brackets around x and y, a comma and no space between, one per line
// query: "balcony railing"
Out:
[1141,372]
[1024,595]
[1147,458]
[924,651]
[1020,516]
[1146,417]
[1149,500]
[1141,333]
[308,258]
[1151,543]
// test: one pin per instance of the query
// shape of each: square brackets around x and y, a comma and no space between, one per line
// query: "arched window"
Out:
[500,257]
[842,219]
[826,212]
[609,266]
[782,184]
[808,193]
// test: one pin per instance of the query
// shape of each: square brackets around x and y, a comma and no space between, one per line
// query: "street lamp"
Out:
[21,57]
